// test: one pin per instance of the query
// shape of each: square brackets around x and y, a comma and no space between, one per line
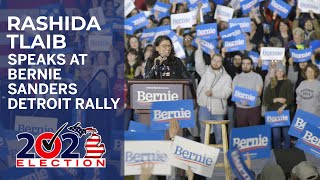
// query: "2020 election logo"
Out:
[49,151]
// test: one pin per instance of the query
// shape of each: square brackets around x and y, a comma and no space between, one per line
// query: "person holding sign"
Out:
[278,97]
[308,92]
[247,115]
[213,91]
[311,25]
[163,64]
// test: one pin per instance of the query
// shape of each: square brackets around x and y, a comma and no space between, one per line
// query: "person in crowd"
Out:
[212,92]
[163,64]
[298,41]
[132,61]
[284,33]
[311,24]
[256,33]
[233,68]
[278,97]
[308,92]
[134,43]
[304,170]
[271,172]
[139,74]
[296,77]
[189,51]
[246,115]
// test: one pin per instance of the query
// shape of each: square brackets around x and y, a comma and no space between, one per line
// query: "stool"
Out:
[224,144]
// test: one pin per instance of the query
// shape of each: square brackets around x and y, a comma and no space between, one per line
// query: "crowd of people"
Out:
[281,84]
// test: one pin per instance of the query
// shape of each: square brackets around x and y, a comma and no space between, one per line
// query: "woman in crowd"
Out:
[308,92]
[278,97]
[163,64]
[132,61]
[134,43]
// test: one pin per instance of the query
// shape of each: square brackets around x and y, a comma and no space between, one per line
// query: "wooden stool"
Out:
[224,144]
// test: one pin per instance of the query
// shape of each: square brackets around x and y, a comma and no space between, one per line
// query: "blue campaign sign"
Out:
[178,1]
[314,45]
[237,43]
[162,112]
[309,140]
[247,5]
[207,45]
[230,32]
[241,94]
[129,27]
[279,6]
[162,30]
[244,23]
[143,135]
[193,5]
[238,165]
[301,55]
[218,2]
[207,31]
[300,120]
[265,65]
[277,120]
[162,8]
[139,21]
[255,140]
[148,34]
[254,56]
[136,127]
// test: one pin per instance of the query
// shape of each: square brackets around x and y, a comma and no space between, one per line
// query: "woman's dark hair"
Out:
[126,65]
[286,22]
[145,49]
[161,20]
[157,42]
[128,43]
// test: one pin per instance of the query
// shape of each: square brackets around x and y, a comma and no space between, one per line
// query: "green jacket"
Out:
[286,91]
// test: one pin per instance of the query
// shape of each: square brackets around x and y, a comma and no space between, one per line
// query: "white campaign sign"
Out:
[224,13]
[100,43]
[307,5]
[138,152]
[272,53]
[128,7]
[184,20]
[35,125]
[199,157]
[98,13]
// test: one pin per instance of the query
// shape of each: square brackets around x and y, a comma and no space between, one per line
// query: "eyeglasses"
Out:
[188,39]
[166,46]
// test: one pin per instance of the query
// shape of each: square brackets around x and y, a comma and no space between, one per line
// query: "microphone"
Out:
[158,68]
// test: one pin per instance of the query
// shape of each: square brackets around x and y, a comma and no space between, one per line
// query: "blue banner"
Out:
[162,112]
[143,135]
[314,45]
[277,120]
[247,5]
[237,43]
[178,1]
[161,31]
[301,118]
[244,23]
[309,140]
[207,45]
[207,31]
[255,140]
[265,65]
[238,165]
[162,8]
[254,56]
[241,94]
[279,6]
[136,127]
[193,5]
[230,32]
[177,44]
[301,55]
[148,34]
[139,21]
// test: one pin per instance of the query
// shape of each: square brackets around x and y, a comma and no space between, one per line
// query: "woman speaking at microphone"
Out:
[163,64]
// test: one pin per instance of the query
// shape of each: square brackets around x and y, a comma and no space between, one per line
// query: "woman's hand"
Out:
[146,171]
[174,128]
[190,173]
